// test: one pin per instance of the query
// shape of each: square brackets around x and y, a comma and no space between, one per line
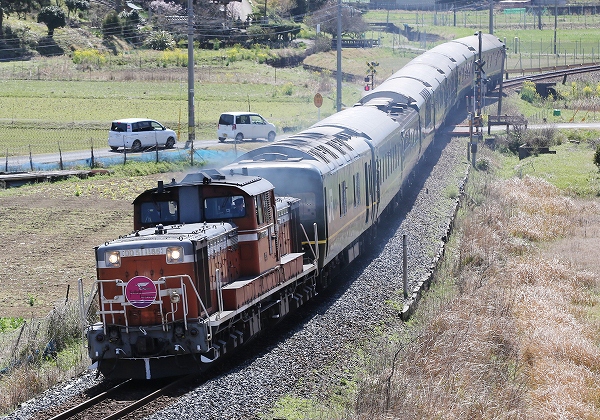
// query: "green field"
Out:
[42,113]
[69,101]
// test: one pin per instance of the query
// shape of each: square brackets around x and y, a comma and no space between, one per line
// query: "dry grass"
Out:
[512,330]
[41,353]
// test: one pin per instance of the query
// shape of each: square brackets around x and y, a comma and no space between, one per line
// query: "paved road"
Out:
[211,152]
[208,151]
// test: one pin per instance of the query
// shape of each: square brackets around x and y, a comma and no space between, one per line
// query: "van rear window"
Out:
[120,127]
[226,119]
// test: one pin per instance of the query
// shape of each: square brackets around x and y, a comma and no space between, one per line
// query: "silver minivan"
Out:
[138,133]
[244,125]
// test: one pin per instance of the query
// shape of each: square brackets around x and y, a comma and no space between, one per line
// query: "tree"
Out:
[6,8]
[53,17]
[74,5]
[353,24]
[111,25]
[130,22]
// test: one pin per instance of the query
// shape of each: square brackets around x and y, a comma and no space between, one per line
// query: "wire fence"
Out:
[39,340]
[94,153]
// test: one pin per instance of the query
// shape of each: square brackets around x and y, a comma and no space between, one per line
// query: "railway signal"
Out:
[371,71]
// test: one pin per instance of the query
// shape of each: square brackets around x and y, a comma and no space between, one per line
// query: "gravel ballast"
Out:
[313,351]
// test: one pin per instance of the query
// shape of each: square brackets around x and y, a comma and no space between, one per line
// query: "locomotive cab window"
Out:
[159,212]
[217,208]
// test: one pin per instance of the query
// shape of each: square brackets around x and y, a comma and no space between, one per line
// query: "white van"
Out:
[138,133]
[244,125]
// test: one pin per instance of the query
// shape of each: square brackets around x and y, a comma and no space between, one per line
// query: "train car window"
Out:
[343,199]
[367,184]
[229,207]
[357,189]
[159,212]
[354,189]
[260,215]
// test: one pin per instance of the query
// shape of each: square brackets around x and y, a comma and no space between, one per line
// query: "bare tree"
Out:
[353,24]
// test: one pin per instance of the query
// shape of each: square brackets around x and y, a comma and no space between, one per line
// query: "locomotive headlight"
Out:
[174,255]
[112,259]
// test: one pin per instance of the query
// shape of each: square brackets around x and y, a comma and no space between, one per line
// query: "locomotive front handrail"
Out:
[121,300]
[206,318]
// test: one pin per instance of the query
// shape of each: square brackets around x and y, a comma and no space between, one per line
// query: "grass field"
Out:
[42,113]
[69,101]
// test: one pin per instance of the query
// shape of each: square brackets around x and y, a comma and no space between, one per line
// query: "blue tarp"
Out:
[202,157]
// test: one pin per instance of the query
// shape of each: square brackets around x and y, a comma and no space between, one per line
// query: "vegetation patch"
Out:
[505,328]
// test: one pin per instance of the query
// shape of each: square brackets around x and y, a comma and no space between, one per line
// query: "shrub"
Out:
[88,57]
[160,41]
[287,89]
[528,92]
[176,57]
[111,25]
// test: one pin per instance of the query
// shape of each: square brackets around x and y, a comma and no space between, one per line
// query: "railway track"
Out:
[120,400]
[564,73]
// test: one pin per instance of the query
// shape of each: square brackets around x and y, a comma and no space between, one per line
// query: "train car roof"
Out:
[334,141]
[488,41]
[401,90]
[173,232]
[425,73]
[444,63]
[251,185]
[457,52]
[372,123]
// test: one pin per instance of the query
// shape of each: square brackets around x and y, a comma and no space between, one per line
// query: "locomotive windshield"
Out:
[159,212]
[217,208]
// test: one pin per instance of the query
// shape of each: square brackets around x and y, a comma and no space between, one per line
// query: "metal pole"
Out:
[501,80]
[191,117]
[555,22]
[491,17]
[338,100]
[404,268]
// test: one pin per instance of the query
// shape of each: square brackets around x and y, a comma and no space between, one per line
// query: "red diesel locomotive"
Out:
[214,259]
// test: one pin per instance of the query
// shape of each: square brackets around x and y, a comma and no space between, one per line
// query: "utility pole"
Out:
[191,118]
[555,22]
[478,96]
[338,100]
[491,17]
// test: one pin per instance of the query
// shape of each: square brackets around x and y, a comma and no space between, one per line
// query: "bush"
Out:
[89,57]
[160,41]
[528,92]
[111,25]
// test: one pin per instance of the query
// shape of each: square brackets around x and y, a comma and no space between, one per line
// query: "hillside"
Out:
[27,39]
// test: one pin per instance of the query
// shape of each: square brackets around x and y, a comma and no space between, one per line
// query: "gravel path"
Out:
[312,351]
